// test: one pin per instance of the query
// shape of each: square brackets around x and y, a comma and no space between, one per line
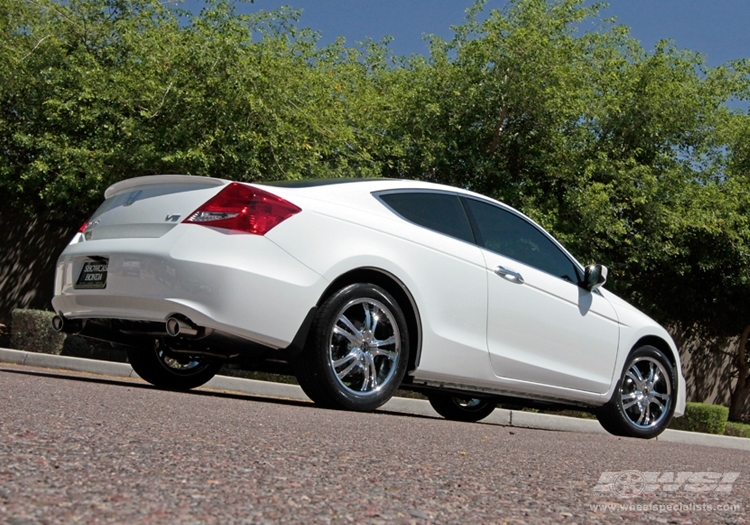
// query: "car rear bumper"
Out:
[243,285]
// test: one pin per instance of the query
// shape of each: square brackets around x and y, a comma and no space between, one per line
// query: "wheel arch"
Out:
[651,339]
[659,343]
[394,286]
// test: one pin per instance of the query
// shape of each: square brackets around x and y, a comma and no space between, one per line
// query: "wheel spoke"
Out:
[340,331]
[345,371]
[658,403]
[349,325]
[375,321]
[385,342]
[181,363]
[651,372]
[643,416]
[634,378]
[373,374]
[368,317]
[348,357]
[366,380]
[634,369]
[386,353]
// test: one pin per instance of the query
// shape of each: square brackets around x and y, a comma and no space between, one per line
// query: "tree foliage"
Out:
[633,158]
[94,91]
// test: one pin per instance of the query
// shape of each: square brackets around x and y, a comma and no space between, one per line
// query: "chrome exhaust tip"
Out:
[57,323]
[176,326]
[67,326]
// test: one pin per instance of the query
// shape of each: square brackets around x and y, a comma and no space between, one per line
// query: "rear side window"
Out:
[508,234]
[441,212]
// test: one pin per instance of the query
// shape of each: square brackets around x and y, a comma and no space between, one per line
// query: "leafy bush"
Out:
[702,417]
[76,346]
[737,429]
[32,331]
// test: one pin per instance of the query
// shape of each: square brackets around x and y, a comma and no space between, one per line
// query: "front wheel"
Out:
[644,400]
[358,350]
[461,408]
[165,369]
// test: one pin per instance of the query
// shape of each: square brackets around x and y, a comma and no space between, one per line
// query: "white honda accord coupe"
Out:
[360,287]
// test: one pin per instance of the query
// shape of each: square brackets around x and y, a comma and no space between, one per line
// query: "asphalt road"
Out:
[82,449]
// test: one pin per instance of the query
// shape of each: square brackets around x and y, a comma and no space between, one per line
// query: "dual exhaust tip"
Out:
[175,326]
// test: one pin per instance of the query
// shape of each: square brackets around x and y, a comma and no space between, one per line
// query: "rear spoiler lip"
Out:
[151,180]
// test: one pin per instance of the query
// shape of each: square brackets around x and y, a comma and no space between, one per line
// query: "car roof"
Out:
[336,188]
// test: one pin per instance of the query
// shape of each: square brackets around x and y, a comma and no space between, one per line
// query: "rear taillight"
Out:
[243,208]
[84,226]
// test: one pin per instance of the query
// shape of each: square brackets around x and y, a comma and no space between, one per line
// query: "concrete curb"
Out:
[420,407]
[60,362]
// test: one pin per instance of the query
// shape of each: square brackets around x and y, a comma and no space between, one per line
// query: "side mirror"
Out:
[594,277]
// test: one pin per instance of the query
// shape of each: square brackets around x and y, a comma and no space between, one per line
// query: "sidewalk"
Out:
[512,418]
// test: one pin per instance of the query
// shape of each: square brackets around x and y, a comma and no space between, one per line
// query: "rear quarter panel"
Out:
[445,276]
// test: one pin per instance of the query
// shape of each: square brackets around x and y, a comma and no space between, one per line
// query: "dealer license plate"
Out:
[93,274]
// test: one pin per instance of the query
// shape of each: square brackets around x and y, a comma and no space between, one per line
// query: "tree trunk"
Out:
[741,392]
[498,130]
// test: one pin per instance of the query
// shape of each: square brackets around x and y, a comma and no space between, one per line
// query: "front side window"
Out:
[441,212]
[508,234]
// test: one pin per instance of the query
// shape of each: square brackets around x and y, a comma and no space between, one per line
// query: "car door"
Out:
[542,327]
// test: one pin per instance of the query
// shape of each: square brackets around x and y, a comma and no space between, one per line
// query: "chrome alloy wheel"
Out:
[180,364]
[364,346]
[646,393]
[468,403]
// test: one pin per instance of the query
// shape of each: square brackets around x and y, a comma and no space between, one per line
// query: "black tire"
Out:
[357,352]
[644,398]
[461,408]
[173,371]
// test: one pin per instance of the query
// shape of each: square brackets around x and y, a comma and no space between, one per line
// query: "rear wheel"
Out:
[461,408]
[358,350]
[165,369]
[643,402]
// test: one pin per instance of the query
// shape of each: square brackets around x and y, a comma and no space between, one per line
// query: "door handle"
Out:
[507,272]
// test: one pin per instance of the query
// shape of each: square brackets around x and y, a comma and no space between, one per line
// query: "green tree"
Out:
[94,91]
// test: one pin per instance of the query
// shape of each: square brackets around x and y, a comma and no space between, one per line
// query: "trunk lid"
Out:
[150,206]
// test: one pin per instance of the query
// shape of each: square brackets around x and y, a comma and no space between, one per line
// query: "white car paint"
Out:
[545,338]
